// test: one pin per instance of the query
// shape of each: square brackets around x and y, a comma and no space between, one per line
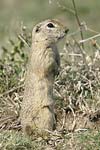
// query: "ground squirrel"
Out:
[37,109]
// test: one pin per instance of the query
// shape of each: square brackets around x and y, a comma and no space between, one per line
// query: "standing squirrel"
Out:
[37,110]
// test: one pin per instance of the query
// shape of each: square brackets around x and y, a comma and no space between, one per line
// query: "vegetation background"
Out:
[76,89]
[14,13]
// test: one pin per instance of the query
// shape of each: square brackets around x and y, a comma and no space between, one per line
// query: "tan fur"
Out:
[38,104]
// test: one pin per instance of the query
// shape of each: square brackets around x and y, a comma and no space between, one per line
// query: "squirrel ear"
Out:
[37,28]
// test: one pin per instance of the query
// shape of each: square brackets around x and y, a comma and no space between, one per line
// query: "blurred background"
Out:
[15,13]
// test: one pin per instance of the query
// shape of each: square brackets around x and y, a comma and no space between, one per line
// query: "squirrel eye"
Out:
[50,25]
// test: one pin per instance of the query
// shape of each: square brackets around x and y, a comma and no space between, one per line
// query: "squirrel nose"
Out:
[66,30]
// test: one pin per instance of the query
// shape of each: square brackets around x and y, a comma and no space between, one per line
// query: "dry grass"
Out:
[76,90]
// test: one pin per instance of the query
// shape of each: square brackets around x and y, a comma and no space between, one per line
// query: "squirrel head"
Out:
[49,30]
